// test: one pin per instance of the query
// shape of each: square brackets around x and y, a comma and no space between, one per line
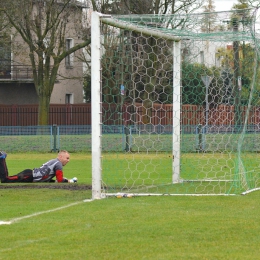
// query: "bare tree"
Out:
[246,4]
[209,19]
[117,58]
[146,6]
[42,26]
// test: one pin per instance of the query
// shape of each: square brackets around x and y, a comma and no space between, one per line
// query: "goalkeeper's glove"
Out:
[73,180]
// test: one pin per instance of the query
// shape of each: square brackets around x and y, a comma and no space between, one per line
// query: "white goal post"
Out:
[96,101]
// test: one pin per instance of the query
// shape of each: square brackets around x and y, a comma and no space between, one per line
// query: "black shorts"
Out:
[24,176]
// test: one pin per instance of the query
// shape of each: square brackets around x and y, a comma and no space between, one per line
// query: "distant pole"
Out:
[54,133]
[237,85]
[207,80]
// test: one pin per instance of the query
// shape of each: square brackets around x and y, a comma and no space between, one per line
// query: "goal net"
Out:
[175,104]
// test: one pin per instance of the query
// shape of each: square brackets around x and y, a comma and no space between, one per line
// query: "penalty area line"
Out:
[15,220]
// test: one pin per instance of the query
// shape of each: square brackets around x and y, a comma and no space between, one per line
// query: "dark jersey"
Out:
[47,171]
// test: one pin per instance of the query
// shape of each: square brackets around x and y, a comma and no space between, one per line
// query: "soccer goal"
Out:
[175,104]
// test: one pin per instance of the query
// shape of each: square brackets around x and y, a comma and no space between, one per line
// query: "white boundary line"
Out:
[249,191]
[14,220]
[125,195]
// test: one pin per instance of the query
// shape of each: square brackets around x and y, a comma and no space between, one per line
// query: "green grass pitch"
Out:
[57,224]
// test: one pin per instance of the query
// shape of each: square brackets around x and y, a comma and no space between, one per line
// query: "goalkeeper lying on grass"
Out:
[45,173]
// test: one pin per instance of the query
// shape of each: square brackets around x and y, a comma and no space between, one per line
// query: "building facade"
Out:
[16,75]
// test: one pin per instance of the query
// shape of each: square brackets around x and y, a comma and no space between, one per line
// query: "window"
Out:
[69,58]
[217,60]
[69,99]
[185,53]
[202,57]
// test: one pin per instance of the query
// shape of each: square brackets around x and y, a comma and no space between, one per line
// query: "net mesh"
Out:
[219,116]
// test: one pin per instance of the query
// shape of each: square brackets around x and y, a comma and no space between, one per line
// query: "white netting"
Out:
[180,103]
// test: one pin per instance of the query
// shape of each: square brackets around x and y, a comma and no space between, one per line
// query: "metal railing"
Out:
[16,72]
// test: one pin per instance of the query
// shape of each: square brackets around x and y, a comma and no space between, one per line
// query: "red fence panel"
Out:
[126,114]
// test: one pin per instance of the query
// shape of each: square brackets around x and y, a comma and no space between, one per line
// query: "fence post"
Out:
[200,146]
[127,144]
[54,134]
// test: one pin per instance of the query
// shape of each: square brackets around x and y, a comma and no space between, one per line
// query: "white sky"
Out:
[224,5]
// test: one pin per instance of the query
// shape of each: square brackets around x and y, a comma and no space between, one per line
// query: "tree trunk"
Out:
[43,110]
